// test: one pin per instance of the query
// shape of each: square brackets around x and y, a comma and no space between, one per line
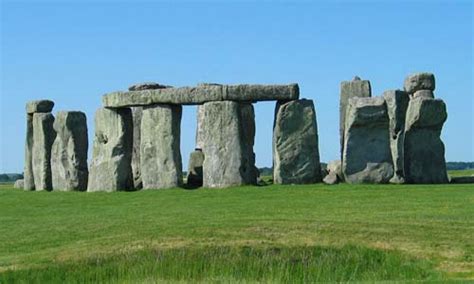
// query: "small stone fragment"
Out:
[331,178]
[147,86]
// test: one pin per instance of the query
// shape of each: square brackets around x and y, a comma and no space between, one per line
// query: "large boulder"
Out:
[19,184]
[29,179]
[423,148]
[226,146]
[350,89]
[397,104]
[295,143]
[39,106]
[160,155]
[43,138]
[110,168]
[367,156]
[136,168]
[69,152]
[195,176]
[419,81]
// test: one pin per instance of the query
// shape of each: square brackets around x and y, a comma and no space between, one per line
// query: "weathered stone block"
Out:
[195,175]
[19,184]
[419,81]
[43,138]
[39,106]
[367,156]
[110,168]
[423,94]
[136,168]
[199,125]
[160,155]
[423,148]
[29,179]
[69,152]
[295,143]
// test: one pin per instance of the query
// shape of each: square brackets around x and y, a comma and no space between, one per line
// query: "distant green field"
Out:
[270,234]
[460,173]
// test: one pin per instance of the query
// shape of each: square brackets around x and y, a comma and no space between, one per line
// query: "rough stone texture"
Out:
[226,147]
[29,179]
[423,148]
[247,116]
[367,156]
[136,168]
[331,178]
[69,152]
[43,138]
[419,81]
[19,183]
[350,89]
[295,143]
[465,179]
[195,176]
[424,94]
[110,168]
[199,124]
[147,86]
[39,106]
[397,104]
[160,155]
[336,168]
[202,94]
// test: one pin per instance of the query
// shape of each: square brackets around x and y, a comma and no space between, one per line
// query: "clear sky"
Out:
[73,52]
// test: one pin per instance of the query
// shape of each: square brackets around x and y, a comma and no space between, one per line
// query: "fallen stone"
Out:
[29,179]
[465,179]
[160,155]
[19,184]
[295,143]
[195,176]
[397,104]
[39,106]
[423,94]
[69,152]
[225,146]
[43,138]
[147,86]
[331,178]
[350,89]
[201,94]
[136,168]
[419,81]
[367,156]
[110,168]
[424,151]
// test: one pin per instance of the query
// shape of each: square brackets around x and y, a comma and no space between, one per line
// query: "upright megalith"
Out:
[199,124]
[424,151]
[136,168]
[350,89]
[110,168]
[69,152]
[295,143]
[247,117]
[43,138]
[367,156]
[160,155]
[39,106]
[226,145]
[397,104]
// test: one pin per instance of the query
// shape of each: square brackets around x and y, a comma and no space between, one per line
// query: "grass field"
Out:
[270,234]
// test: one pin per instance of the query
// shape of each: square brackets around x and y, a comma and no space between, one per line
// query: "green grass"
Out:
[460,173]
[270,234]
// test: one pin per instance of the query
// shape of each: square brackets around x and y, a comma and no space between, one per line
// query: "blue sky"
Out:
[74,52]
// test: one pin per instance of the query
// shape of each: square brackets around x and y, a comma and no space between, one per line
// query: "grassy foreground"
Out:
[273,233]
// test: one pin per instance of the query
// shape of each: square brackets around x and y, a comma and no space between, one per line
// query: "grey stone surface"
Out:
[423,148]
[335,167]
[195,176]
[43,138]
[147,86]
[202,94]
[367,156]
[199,124]
[331,178]
[350,89]
[397,104]
[29,179]
[110,168]
[136,168]
[160,155]
[39,106]
[19,184]
[247,116]
[295,143]
[419,81]
[225,146]
[69,152]
[464,179]
[423,94]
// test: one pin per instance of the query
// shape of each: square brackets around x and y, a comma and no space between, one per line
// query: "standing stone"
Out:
[226,147]
[419,81]
[69,152]
[29,179]
[397,104]
[43,138]
[195,175]
[199,130]
[295,143]
[247,116]
[160,155]
[19,184]
[110,168]
[367,156]
[424,150]
[136,168]
[350,89]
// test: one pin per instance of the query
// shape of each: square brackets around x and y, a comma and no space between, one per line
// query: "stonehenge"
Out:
[392,138]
